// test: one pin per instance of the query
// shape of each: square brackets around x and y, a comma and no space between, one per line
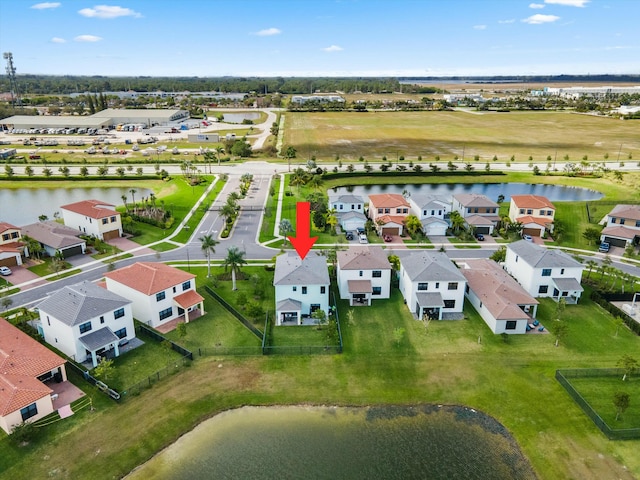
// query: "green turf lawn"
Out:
[269,218]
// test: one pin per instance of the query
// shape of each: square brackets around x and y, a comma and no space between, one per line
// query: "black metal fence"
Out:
[605,299]
[169,369]
[141,327]
[235,313]
[103,387]
[563,377]
[222,350]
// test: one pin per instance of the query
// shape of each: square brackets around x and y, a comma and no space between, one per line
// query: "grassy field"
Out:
[599,392]
[409,134]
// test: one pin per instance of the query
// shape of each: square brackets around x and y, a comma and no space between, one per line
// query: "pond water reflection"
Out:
[429,441]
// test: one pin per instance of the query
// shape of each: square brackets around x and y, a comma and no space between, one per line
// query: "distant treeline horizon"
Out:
[66,84]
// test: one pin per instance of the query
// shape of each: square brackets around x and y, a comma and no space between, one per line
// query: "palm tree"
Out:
[124,201]
[457,221]
[227,211]
[285,227]
[316,182]
[590,266]
[207,244]
[234,259]
[133,198]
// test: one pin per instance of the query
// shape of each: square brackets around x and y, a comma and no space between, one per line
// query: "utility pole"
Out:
[11,73]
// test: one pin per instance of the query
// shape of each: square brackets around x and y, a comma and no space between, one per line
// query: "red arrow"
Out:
[303,242]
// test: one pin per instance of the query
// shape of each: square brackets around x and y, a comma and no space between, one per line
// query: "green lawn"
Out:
[269,217]
[599,392]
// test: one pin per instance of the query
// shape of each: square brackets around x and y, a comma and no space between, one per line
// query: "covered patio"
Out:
[360,291]
[430,305]
[98,342]
[289,312]
[188,302]
[567,288]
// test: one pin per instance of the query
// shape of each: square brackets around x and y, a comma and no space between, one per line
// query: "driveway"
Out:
[125,245]
[20,274]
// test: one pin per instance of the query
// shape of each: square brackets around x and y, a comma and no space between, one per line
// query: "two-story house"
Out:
[622,227]
[160,293]
[364,274]
[478,211]
[544,272]
[431,285]
[11,247]
[534,212]
[93,218]
[349,211]
[432,211]
[301,287]
[84,321]
[501,302]
[388,212]
[25,367]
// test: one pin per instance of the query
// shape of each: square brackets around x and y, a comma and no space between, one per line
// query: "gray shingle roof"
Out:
[289,305]
[423,200]
[291,270]
[540,257]
[98,339]
[429,299]
[430,266]
[346,199]
[474,200]
[363,258]
[568,284]
[76,304]
[53,234]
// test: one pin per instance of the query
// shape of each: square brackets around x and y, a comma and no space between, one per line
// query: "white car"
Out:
[362,238]
[5,271]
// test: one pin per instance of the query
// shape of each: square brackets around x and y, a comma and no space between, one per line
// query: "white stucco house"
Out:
[431,285]
[501,302]
[160,293]
[93,218]
[84,321]
[622,226]
[478,210]
[301,287]
[364,274]
[544,272]
[432,211]
[349,211]
[26,370]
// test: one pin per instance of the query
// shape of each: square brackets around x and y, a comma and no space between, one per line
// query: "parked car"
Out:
[480,237]
[349,236]
[5,271]
[362,238]
[387,238]
[604,247]
[528,238]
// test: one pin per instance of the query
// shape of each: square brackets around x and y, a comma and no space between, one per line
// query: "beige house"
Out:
[388,212]
[11,248]
[534,212]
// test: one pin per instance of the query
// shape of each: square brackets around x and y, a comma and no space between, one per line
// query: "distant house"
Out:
[471,206]
[622,226]
[544,272]
[56,238]
[501,302]
[160,293]
[301,287]
[11,247]
[364,274]
[349,211]
[84,321]
[432,211]
[534,212]
[431,285]
[388,212]
[25,367]
[93,218]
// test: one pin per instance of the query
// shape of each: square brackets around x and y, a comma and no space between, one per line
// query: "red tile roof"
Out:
[19,391]
[188,299]
[526,219]
[148,277]
[92,208]
[531,201]
[399,219]
[4,226]
[387,200]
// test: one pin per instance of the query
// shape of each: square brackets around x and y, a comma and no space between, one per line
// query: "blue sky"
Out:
[322,37]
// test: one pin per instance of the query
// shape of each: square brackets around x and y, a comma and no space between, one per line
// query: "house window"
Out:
[6,236]
[323,290]
[543,288]
[546,272]
[28,412]
[522,211]
[449,304]
[466,289]
[405,210]
[174,289]
[295,289]
[101,320]
[637,223]
[424,213]
[423,286]
[313,307]
[516,258]
[452,286]
[377,291]
[398,210]
[529,211]
[613,219]
[437,285]
[186,285]
[562,271]
[48,321]
[360,273]
[353,207]
[476,210]
[376,274]
[118,313]
[105,221]
[166,313]
[379,210]
[493,210]
[341,207]
[359,206]
[304,290]
[113,219]
[85,327]
[387,210]
[121,333]
[469,210]
[160,296]
[511,325]
[622,221]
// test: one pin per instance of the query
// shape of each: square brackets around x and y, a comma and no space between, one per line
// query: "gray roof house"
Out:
[55,237]
[301,287]
[431,285]
[85,320]
[349,211]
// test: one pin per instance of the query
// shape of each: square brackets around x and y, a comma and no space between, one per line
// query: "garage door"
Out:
[534,232]
[109,235]
[615,242]
[68,252]
[391,231]
[8,262]
[483,230]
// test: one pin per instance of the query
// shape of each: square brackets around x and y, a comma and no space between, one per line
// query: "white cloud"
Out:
[333,48]
[568,3]
[538,18]
[536,5]
[87,38]
[108,12]
[58,40]
[480,27]
[511,20]
[267,32]
[45,5]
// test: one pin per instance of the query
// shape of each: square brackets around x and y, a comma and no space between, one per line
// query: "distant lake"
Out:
[239,117]
[23,206]
[555,193]
[391,443]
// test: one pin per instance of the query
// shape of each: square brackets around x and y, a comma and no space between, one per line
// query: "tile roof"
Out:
[4,226]
[359,286]
[626,211]
[75,304]
[620,231]
[19,391]
[430,220]
[479,220]
[531,201]
[53,234]
[429,299]
[429,266]
[149,277]
[568,284]
[363,258]
[98,339]
[288,305]
[91,208]
[352,214]
[188,299]
[540,257]
[291,270]
[527,219]
[423,200]
[348,198]
[474,200]
[497,291]
[397,219]
[387,200]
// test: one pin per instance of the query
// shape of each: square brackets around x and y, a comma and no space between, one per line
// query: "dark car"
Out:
[349,236]
[480,237]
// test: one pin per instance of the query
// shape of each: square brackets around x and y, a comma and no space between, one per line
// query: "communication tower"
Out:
[11,73]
